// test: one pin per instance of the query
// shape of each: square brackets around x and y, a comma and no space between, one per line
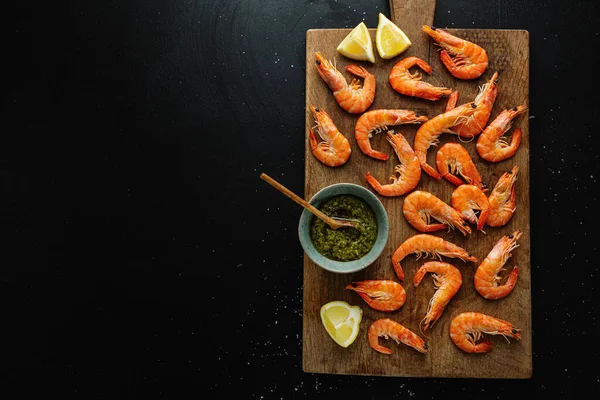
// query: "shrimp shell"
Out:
[389,329]
[503,203]
[382,295]
[408,84]
[375,121]
[333,149]
[492,146]
[463,59]
[468,327]
[420,206]
[486,277]
[454,162]
[447,280]
[406,175]
[485,102]
[427,135]
[351,97]
[467,199]
[424,245]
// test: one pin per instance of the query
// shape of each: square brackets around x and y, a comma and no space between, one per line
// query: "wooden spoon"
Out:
[334,223]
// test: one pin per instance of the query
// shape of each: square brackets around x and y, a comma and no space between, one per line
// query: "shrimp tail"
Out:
[434,228]
[452,100]
[419,275]
[423,65]
[357,70]
[397,256]
[453,179]
[377,155]
[448,62]
[431,171]
[313,140]
[511,281]
[373,181]
[381,349]
[482,347]
[398,269]
[482,219]
[515,140]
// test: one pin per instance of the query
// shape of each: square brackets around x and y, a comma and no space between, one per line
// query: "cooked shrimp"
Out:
[420,206]
[472,203]
[390,329]
[503,203]
[406,174]
[452,100]
[463,59]
[375,121]
[425,245]
[334,149]
[351,97]
[492,145]
[428,133]
[382,295]
[411,84]
[454,162]
[486,276]
[468,327]
[446,280]
[474,125]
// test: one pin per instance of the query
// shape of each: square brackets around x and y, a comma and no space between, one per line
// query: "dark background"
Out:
[144,257]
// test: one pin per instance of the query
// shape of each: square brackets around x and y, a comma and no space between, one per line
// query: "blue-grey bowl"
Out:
[382,228]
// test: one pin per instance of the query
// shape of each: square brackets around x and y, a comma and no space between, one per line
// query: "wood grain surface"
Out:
[508,52]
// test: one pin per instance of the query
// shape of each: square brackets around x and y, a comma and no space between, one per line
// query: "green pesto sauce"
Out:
[344,244]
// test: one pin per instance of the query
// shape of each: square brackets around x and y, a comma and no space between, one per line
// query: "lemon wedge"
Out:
[358,45]
[389,39]
[342,321]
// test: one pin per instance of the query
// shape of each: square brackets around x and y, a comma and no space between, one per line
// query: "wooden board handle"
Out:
[411,15]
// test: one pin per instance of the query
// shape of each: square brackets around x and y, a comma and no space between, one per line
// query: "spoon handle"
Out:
[331,222]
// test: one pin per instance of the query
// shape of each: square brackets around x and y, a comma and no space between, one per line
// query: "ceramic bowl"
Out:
[382,228]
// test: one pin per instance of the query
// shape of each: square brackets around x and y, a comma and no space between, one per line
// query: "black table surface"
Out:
[144,257]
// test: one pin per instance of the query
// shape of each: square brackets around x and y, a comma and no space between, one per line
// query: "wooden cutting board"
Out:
[508,52]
